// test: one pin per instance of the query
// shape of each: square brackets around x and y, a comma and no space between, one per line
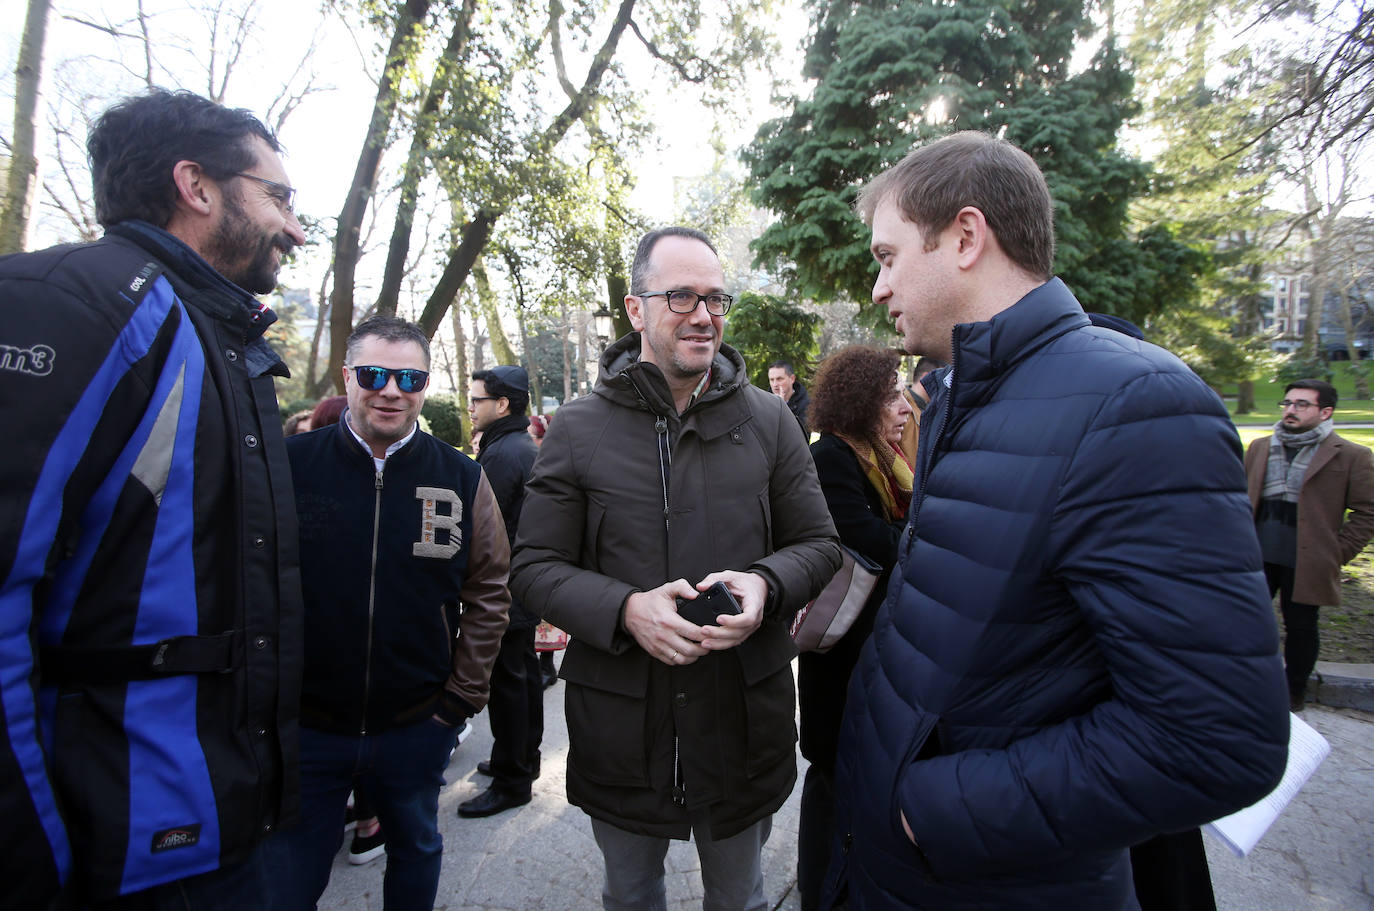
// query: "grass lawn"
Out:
[1347,631]
[1267,395]
[1362,435]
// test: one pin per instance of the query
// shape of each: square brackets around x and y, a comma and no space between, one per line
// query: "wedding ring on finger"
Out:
[672,656]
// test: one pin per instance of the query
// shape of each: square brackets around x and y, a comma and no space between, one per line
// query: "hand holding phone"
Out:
[708,605]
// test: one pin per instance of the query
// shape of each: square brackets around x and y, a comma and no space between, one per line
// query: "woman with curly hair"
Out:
[859,411]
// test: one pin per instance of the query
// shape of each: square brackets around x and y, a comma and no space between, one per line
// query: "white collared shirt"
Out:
[380,463]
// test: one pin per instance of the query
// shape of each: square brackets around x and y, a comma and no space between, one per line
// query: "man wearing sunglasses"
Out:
[398,530]
[150,649]
[674,474]
[1313,496]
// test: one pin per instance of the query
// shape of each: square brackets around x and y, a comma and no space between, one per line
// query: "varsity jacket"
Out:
[150,604]
[386,558]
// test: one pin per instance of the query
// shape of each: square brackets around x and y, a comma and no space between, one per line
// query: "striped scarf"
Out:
[887,470]
[1283,479]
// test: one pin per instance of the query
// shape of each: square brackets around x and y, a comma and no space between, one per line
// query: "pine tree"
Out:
[890,77]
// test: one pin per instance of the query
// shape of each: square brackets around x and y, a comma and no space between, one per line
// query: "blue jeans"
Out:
[403,770]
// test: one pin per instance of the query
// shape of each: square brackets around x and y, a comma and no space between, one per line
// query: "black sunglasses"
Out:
[374,379]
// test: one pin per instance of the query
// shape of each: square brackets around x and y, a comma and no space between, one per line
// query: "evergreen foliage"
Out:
[889,77]
[765,328]
[445,419]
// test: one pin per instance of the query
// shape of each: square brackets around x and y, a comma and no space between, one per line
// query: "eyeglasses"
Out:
[284,195]
[1300,406]
[374,379]
[484,398]
[682,301]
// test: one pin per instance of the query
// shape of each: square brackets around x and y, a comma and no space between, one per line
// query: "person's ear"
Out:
[195,190]
[970,228]
[634,311]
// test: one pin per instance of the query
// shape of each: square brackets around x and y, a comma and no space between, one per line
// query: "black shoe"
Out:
[366,848]
[484,767]
[550,680]
[489,803]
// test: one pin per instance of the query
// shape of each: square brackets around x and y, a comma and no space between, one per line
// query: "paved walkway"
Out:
[1318,857]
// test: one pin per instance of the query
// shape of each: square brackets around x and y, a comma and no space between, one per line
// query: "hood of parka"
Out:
[627,380]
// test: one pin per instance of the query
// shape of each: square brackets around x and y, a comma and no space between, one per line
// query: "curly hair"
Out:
[135,144]
[851,389]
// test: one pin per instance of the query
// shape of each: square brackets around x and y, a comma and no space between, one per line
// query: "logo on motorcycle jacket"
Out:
[432,522]
[177,837]
[35,361]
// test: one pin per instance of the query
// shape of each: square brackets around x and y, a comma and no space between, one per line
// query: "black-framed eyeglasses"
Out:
[681,300]
[284,195]
[484,398]
[1301,406]
[374,379]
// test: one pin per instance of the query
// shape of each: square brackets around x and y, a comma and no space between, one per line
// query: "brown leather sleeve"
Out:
[486,602]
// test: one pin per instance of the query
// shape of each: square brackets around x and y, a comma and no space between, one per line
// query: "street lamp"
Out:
[603,324]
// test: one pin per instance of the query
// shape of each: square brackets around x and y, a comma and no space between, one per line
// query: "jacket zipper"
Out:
[939,428]
[371,599]
[665,464]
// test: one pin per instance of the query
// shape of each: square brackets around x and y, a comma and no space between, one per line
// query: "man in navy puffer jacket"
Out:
[1077,650]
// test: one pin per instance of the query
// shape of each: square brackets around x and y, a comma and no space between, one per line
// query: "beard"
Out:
[242,253]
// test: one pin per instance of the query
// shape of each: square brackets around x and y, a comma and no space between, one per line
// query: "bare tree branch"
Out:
[673,62]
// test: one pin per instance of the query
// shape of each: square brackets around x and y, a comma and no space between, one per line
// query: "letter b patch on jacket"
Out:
[431,521]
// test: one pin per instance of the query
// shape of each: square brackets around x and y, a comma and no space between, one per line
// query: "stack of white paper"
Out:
[1242,830]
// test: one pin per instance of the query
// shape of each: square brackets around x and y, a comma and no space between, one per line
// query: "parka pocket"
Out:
[766,511]
[914,748]
[591,535]
[606,736]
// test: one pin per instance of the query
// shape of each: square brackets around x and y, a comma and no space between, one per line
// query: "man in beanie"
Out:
[1302,479]
[497,399]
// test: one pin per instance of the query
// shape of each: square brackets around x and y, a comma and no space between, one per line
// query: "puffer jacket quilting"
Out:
[1076,652]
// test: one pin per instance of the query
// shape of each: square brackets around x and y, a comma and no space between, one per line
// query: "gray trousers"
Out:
[731,869]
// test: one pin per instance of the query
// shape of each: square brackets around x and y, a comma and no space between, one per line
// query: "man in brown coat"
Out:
[1302,479]
[673,474]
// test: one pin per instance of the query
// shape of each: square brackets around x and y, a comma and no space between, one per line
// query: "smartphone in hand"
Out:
[707,605]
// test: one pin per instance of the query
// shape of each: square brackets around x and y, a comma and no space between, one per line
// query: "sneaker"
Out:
[464,730]
[366,848]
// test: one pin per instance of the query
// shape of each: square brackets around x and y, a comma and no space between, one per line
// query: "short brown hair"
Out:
[851,389]
[933,182]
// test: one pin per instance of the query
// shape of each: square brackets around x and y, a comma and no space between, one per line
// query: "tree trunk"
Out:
[399,247]
[567,354]
[1248,325]
[491,312]
[314,384]
[535,393]
[462,258]
[475,236]
[461,346]
[1245,397]
[410,15]
[616,289]
[1316,294]
[23,176]
[1359,370]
